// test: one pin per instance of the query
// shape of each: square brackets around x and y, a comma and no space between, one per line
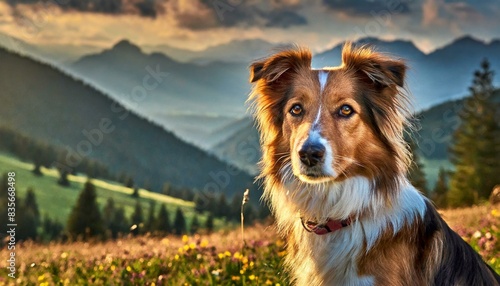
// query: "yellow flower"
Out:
[41,278]
[64,255]
[244,259]
[235,278]
[493,260]
[165,241]
[221,255]
[242,271]
[277,284]
[185,238]
[153,284]
[129,269]
[237,255]
[251,277]
[192,245]
[204,243]
[113,268]
[66,281]
[186,247]
[176,257]
[101,267]
[251,264]
[180,250]
[44,284]
[495,213]
[227,253]
[268,282]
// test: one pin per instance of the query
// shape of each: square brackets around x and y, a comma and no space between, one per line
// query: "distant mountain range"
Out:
[197,99]
[44,103]
[435,128]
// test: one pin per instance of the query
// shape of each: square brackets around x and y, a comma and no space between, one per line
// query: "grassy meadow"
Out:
[213,259]
[57,201]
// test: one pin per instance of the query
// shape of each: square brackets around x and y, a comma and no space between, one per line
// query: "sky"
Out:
[198,24]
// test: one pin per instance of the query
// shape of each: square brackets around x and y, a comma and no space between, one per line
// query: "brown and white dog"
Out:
[334,168]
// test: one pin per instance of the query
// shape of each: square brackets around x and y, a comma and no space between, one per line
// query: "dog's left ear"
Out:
[379,69]
[274,67]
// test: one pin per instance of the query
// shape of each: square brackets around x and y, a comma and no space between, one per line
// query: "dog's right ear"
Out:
[272,68]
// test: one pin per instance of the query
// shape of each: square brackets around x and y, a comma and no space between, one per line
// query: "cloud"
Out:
[144,8]
[227,13]
[367,7]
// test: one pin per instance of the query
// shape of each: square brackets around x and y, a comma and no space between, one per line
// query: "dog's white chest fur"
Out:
[331,259]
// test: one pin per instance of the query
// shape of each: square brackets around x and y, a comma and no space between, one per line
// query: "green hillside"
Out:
[57,201]
[47,105]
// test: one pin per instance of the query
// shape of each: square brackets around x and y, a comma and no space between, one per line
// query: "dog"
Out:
[334,170]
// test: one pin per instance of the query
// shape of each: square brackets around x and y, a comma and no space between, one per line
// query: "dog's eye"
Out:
[345,110]
[296,110]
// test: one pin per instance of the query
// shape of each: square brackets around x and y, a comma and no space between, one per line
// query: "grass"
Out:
[57,201]
[215,259]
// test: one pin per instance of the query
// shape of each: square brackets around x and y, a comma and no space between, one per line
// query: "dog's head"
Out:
[332,123]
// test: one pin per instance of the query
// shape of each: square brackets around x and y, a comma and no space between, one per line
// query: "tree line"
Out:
[474,152]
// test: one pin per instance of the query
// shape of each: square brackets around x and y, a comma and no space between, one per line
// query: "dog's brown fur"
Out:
[397,237]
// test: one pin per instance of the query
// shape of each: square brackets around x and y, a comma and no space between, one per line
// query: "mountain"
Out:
[434,78]
[52,54]
[242,146]
[127,73]
[238,51]
[44,103]
[195,99]
[436,126]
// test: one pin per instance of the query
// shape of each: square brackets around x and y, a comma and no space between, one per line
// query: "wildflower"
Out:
[221,255]
[237,255]
[204,243]
[192,245]
[495,213]
[251,277]
[235,278]
[477,234]
[64,255]
[176,257]
[488,235]
[268,282]
[41,278]
[129,269]
[113,268]
[227,253]
[101,267]
[277,284]
[185,238]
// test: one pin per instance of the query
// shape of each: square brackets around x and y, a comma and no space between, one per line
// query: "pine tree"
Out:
[200,203]
[85,218]
[476,144]
[179,222]
[135,193]
[30,203]
[163,220]
[195,225]
[416,174]
[129,183]
[150,221]
[440,191]
[63,178]
[119,224]
[108,215]
[137,218]
[209,223]
[222,208]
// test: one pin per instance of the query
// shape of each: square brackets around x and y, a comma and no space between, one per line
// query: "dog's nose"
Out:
[312,153]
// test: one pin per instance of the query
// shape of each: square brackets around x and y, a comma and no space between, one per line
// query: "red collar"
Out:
[330,225]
